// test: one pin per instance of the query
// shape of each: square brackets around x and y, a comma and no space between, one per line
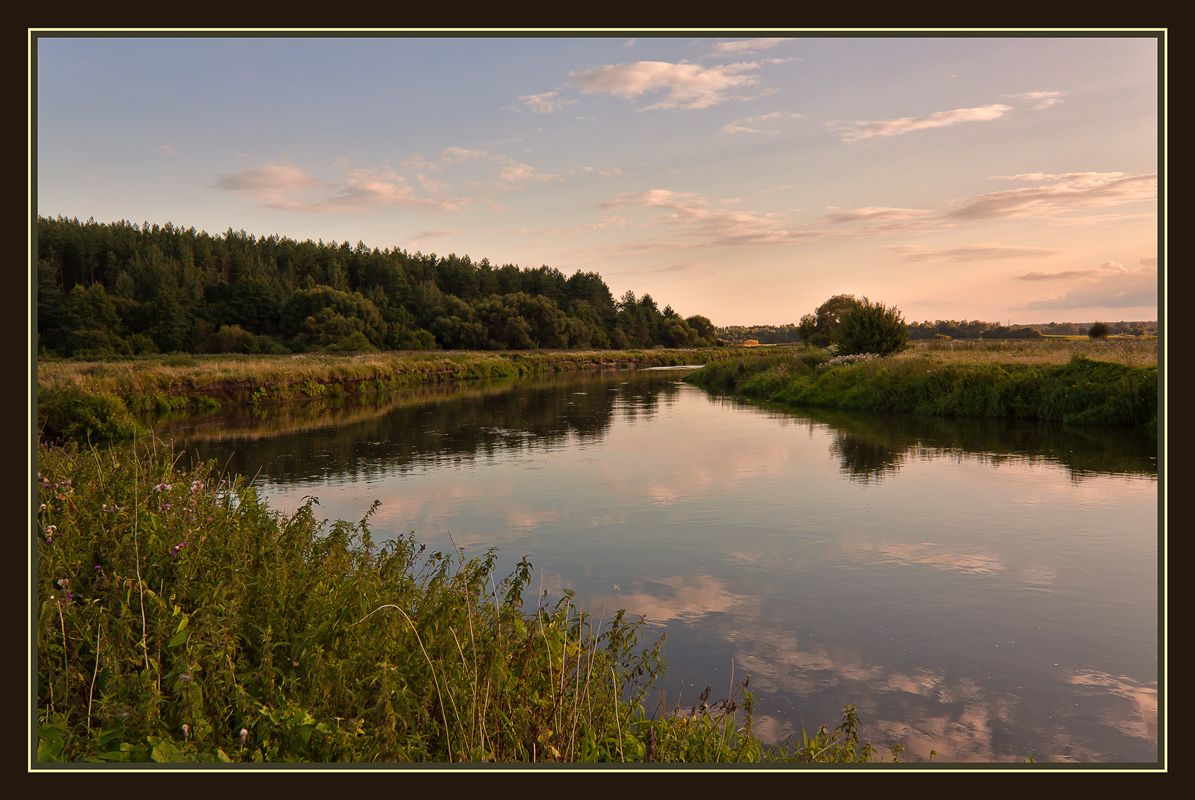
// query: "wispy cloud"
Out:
[521,173]
[701,225]
[1040,100]
[1109,286]
[545,103]
[461,154]
[748,45]
[764,123]
[165,149]
[1065,275]
[365,188]
[289,188]
[1105,270]
[687,219]
[1058,194]
[974,252]
[605,172]
[858,131]
[684,85]
[876,215]
[507,169]
[275,177]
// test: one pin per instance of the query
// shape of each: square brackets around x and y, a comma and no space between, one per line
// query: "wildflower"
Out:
[186,731]
[244,736]
[196,486]
[50,531]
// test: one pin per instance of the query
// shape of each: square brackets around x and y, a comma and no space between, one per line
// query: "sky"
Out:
[994,177]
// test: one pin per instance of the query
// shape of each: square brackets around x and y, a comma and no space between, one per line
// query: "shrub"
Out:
[354,343]
[74,414]
[231,339]
[872,328]
[1098,330]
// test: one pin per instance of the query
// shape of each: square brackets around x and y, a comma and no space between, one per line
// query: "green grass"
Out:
[1080,391]
[179,619]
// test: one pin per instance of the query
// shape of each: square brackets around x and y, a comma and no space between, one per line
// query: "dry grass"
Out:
[154,374]
[182,375]
[1130,351]
[232,376]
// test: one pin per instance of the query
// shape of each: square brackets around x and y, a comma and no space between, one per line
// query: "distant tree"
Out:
[231,339]
[820,329]
[1098,330]
[807,330]
[872,328]
[705,330]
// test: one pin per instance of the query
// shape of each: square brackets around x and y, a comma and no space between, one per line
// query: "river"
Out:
[986,590]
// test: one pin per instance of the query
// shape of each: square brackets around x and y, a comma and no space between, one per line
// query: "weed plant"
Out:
[179,619]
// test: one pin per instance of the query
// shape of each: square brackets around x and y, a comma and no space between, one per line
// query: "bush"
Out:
[1098,330]
[74,414]
[231,339]
[872,328]
[354,343]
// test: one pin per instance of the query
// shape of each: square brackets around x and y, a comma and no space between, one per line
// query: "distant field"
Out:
[1133,351]
[181,374]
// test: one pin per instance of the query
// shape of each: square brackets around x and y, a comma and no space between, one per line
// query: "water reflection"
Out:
[302,440]
[986,589]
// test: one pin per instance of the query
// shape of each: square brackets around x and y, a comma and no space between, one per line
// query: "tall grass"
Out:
[99,401]
[180,619]
[1079,390]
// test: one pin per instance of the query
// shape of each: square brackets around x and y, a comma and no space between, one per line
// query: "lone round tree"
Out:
[872,328]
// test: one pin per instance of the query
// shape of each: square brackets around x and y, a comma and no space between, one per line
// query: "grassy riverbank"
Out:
[1072,382]
[179,619]
[97,401]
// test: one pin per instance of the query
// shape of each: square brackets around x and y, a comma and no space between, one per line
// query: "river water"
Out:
[986,590]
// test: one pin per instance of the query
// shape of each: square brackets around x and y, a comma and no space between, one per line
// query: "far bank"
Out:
[1100,383]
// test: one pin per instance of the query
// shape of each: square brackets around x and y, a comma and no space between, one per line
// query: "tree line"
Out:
[937,329]
[122,289]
